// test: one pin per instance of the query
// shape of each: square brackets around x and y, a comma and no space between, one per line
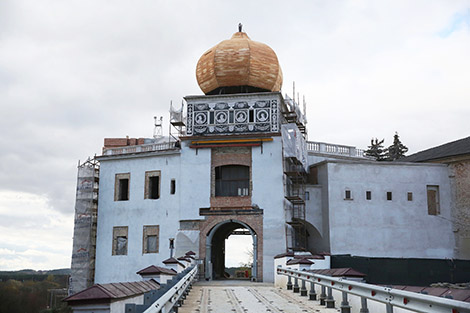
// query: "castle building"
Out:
[239,161]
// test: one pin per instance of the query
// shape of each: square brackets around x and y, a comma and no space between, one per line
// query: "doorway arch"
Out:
[215,248]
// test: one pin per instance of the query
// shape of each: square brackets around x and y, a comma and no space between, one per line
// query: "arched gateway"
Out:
[215,248]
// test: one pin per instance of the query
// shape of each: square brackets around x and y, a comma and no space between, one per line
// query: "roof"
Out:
[454,148]
[190,252]
[299,261]
[173,261]
[152,269]
[184,258]
[451,293]
[108,292]
[339,272]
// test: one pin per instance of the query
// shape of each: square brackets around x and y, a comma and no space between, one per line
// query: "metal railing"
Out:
[407,300]
[169,297]
[141,148]
[328,148]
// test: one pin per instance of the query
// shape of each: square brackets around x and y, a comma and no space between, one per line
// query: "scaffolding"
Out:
[84,235]
[177,123]
[295,164]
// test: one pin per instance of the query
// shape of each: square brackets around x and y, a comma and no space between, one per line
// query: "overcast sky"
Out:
[74,72]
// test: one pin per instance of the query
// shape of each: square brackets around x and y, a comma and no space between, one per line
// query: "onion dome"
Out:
[239,65]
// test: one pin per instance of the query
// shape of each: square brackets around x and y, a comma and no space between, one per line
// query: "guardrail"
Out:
[407,300]
[328,148]
[169,297]
[142,148]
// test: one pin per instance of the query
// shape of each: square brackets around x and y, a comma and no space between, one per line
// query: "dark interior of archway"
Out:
[235,89]
[218,248]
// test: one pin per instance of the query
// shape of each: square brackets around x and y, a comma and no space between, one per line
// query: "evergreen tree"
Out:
[397,150]
[376,149]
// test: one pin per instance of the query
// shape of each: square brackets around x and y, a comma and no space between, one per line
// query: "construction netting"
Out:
[84,235]
[294,144]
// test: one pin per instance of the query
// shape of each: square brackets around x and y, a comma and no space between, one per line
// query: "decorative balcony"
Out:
[328,148]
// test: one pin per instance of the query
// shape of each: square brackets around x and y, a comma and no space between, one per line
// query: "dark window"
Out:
[123,189]
[389,195]
[154,183]
[307,195]
[433,200]
[410,196]
[173,186]
[368,195]
[347,195]
[251,116]
[232,180]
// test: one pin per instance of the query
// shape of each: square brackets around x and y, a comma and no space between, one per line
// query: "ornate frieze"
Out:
[232,115]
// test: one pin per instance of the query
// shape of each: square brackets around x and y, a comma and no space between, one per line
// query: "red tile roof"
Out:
[108,292]
[152,269]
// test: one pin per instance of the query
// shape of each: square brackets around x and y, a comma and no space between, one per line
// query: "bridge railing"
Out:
[169,297]
[392,298]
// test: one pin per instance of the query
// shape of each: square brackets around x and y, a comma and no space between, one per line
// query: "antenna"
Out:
[305,107]
[157,131]
[293,90]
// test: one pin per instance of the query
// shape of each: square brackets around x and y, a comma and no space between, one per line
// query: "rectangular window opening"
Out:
[251,116]
[150,239]
[173,187]
[120,240]
[232,181]
[347,195]
[410,196]
[307,195]
[389,195]
[121,187]
[433,200]
[152,185]
[368,195]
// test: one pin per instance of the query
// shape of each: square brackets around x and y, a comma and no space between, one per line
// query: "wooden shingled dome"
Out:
[239,65]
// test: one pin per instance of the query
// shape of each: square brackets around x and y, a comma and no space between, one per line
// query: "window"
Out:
[121,187]
[433,200]
[389,195]
[172,186]
[410,196]
[307,195]
[150,239]
[232,181]
[368,195]
[120,240]
[152,185]
[347,195]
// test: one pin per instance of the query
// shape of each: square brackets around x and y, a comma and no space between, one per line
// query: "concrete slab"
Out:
[215,297]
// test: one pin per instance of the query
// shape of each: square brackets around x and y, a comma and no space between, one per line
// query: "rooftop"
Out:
[455,148]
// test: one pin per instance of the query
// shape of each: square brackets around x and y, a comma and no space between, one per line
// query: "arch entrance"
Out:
[215,248]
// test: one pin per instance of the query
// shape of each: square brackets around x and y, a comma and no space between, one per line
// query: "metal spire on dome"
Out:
[240,25]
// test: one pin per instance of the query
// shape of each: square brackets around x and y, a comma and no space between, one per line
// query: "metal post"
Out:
[312,294]
[389,308]
[364,308]
[303,289]
[289,282]
[345,307]
[323,295]
[296,285]
[330,301]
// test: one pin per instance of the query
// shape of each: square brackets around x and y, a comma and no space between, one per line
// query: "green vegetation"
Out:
[29,291]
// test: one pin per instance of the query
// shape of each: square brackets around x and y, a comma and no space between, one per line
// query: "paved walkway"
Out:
[246,297]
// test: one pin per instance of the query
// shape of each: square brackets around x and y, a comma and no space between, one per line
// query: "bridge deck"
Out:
[246,297]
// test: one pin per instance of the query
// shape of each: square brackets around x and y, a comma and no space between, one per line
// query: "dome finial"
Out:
[240,25]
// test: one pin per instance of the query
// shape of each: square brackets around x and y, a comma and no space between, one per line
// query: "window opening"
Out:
[389,195]
[307,195]
[150,240]
[410,196]
[368,195]
[251,116]
[232,180]
[120,240]
[121,187]
[347,195]
[152,185]
[172,187]
[433,200]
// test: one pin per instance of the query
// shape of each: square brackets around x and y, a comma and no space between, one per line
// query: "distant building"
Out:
[238,159]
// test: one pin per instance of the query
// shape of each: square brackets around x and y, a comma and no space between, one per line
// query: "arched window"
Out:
[232,180]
